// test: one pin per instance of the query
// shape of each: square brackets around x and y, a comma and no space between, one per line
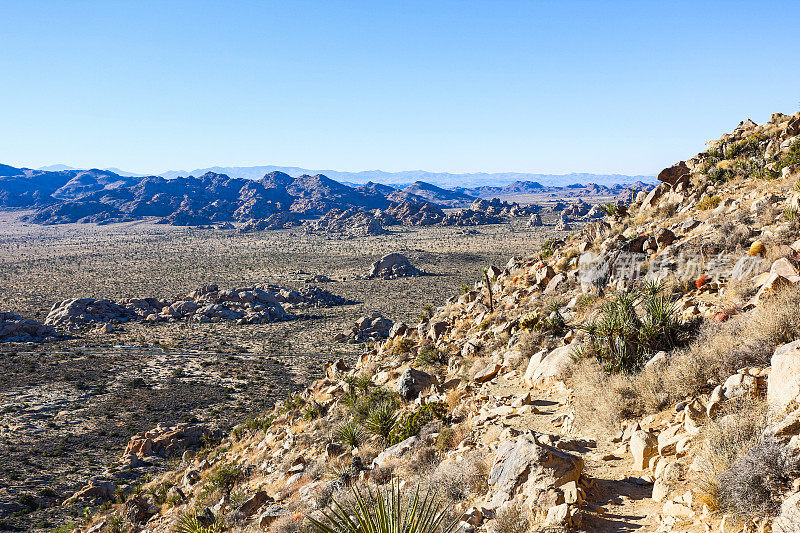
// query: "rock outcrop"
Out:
[392,266]
[14,328]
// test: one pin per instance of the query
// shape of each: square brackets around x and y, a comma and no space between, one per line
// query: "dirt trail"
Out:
[619,499]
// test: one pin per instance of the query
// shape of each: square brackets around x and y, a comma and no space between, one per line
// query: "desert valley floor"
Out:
[68,408]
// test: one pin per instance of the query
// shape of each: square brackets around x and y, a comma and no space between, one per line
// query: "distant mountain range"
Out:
[440,179]
[403,178]
[277,199]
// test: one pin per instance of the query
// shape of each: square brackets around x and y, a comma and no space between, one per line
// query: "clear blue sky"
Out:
[458,86]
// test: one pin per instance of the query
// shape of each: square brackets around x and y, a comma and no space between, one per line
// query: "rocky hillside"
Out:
[643,374]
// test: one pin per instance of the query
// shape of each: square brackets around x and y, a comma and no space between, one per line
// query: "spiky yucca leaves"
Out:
[632,326]
[190,523]
[381,420]
[385,511]
[350,434]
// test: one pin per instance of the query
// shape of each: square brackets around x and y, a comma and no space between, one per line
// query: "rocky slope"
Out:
[641,375]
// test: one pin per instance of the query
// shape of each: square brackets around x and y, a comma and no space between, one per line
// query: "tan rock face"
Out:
[643,446]
[525,466]
[554,366]
[783,389]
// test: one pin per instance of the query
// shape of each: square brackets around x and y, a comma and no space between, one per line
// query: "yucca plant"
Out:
[190,523]
[350,434]
[381,421]
[385,511]
[632,326]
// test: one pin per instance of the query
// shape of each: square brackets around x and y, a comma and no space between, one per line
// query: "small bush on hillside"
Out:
[709,202]
[744,471]
[603,401]
[512,518]
[431,356]
[754,485]
[190,522]
[224,478]
[409,424]
[460,481]
[792,157]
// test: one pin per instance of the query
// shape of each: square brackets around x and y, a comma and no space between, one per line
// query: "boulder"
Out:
[414,381]
[14,328]
[788,521]
[394,452]
[783,389]
[555,365]
[488,373]
[76,312]
[643,446]
[392,266]
[674,175]
[525,466]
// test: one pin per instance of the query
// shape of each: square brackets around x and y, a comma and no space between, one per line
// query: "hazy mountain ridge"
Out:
[440,179]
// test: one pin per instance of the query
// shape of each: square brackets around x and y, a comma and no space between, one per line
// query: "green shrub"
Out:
[432,356]
[190,523]
[409,424]
[224,478]
[792,157]
[314,410]
[386,510]
[709,202]
[547,248]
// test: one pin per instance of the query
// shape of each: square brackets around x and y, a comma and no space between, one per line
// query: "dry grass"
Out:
[602,402]
[457,482]
[744,472]
[511,518]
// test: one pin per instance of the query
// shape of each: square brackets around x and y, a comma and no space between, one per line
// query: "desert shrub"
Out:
[350,434]
[754,484]
[792,157]
[459,481]
[381,420]
[385,510]
[610,209]
[316,470]
[547,248]
[631,326]
[409,424]
[512,518]
[732,235]
[431,356]
[314,410]
[285,524]
[709,202]
[363,402]
[743,470]
[423,461]
[224,478]
[381,475]
[403,346]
